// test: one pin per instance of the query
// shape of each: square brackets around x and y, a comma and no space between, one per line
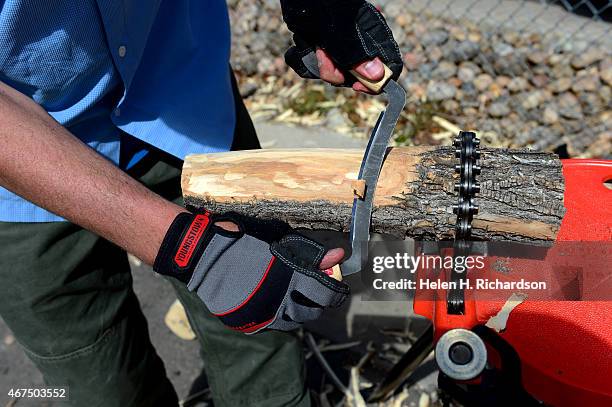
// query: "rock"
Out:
[556,59]
[465,74]
[483,81]
[518,84]
[579,142]
[541,70]
[532,99]
[591,103]
[474,36]
[511,64]
[562,70]
[445,70]
[458,33]
[471,65]
[426,69]
[419,29]
[395,8]
[416,90]
[502,49]
[468,90]
[502,81]
[544,138]
[470,112]
[537,57]
[601,147]
[434,37]
[605,71]
[265,65]
[434,54]
[588,82]
[510,124]
[590,56]
[437,91]
[464,51]
[499,109]
[403,20]
[605,93]
[511,37]
[550,115]
[605,118]
[456,82]
[495,91]
[561,85]
[574,46]
[539,81]
[573,126]
[247,89]
[569,106]
[412,43]
[451,106]
[412,61]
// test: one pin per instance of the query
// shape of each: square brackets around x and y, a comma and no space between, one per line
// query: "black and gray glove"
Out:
[350,31]
[264,276]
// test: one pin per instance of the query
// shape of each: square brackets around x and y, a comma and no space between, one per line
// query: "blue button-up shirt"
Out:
[155,69]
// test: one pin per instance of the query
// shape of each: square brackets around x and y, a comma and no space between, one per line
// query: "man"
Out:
[99,103]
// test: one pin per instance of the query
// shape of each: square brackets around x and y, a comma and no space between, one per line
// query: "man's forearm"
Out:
[42,162]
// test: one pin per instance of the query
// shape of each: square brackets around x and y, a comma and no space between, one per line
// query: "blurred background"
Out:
[531,73]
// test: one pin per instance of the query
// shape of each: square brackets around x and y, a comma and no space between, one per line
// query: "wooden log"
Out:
[521,196]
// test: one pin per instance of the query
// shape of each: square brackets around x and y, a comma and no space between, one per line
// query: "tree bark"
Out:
[521,196]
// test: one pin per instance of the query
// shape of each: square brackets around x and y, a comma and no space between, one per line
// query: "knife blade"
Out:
[371,165]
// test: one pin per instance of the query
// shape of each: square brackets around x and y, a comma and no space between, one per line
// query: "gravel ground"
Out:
[521,74]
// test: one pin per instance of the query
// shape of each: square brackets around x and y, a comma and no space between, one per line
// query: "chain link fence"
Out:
[522,73]
[567,20]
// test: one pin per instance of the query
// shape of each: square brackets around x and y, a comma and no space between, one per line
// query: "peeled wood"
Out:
[521,196]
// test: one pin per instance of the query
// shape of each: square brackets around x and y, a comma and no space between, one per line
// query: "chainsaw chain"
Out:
[466,150]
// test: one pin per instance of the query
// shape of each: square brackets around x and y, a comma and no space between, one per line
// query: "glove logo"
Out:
[191,239]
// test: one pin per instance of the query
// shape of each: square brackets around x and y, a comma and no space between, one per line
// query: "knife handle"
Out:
[374,86]
[310,62]
[334,272]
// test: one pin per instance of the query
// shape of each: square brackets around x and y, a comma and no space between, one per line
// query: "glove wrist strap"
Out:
[186,238]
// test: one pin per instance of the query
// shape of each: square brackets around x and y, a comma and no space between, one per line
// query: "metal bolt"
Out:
[460,353]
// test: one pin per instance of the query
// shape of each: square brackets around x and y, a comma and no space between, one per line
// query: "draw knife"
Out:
[371,164]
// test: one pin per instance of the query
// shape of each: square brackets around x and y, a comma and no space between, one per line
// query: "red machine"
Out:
[556,353]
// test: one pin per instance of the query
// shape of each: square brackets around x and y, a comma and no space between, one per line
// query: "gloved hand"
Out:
[263,276]
[347,31]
